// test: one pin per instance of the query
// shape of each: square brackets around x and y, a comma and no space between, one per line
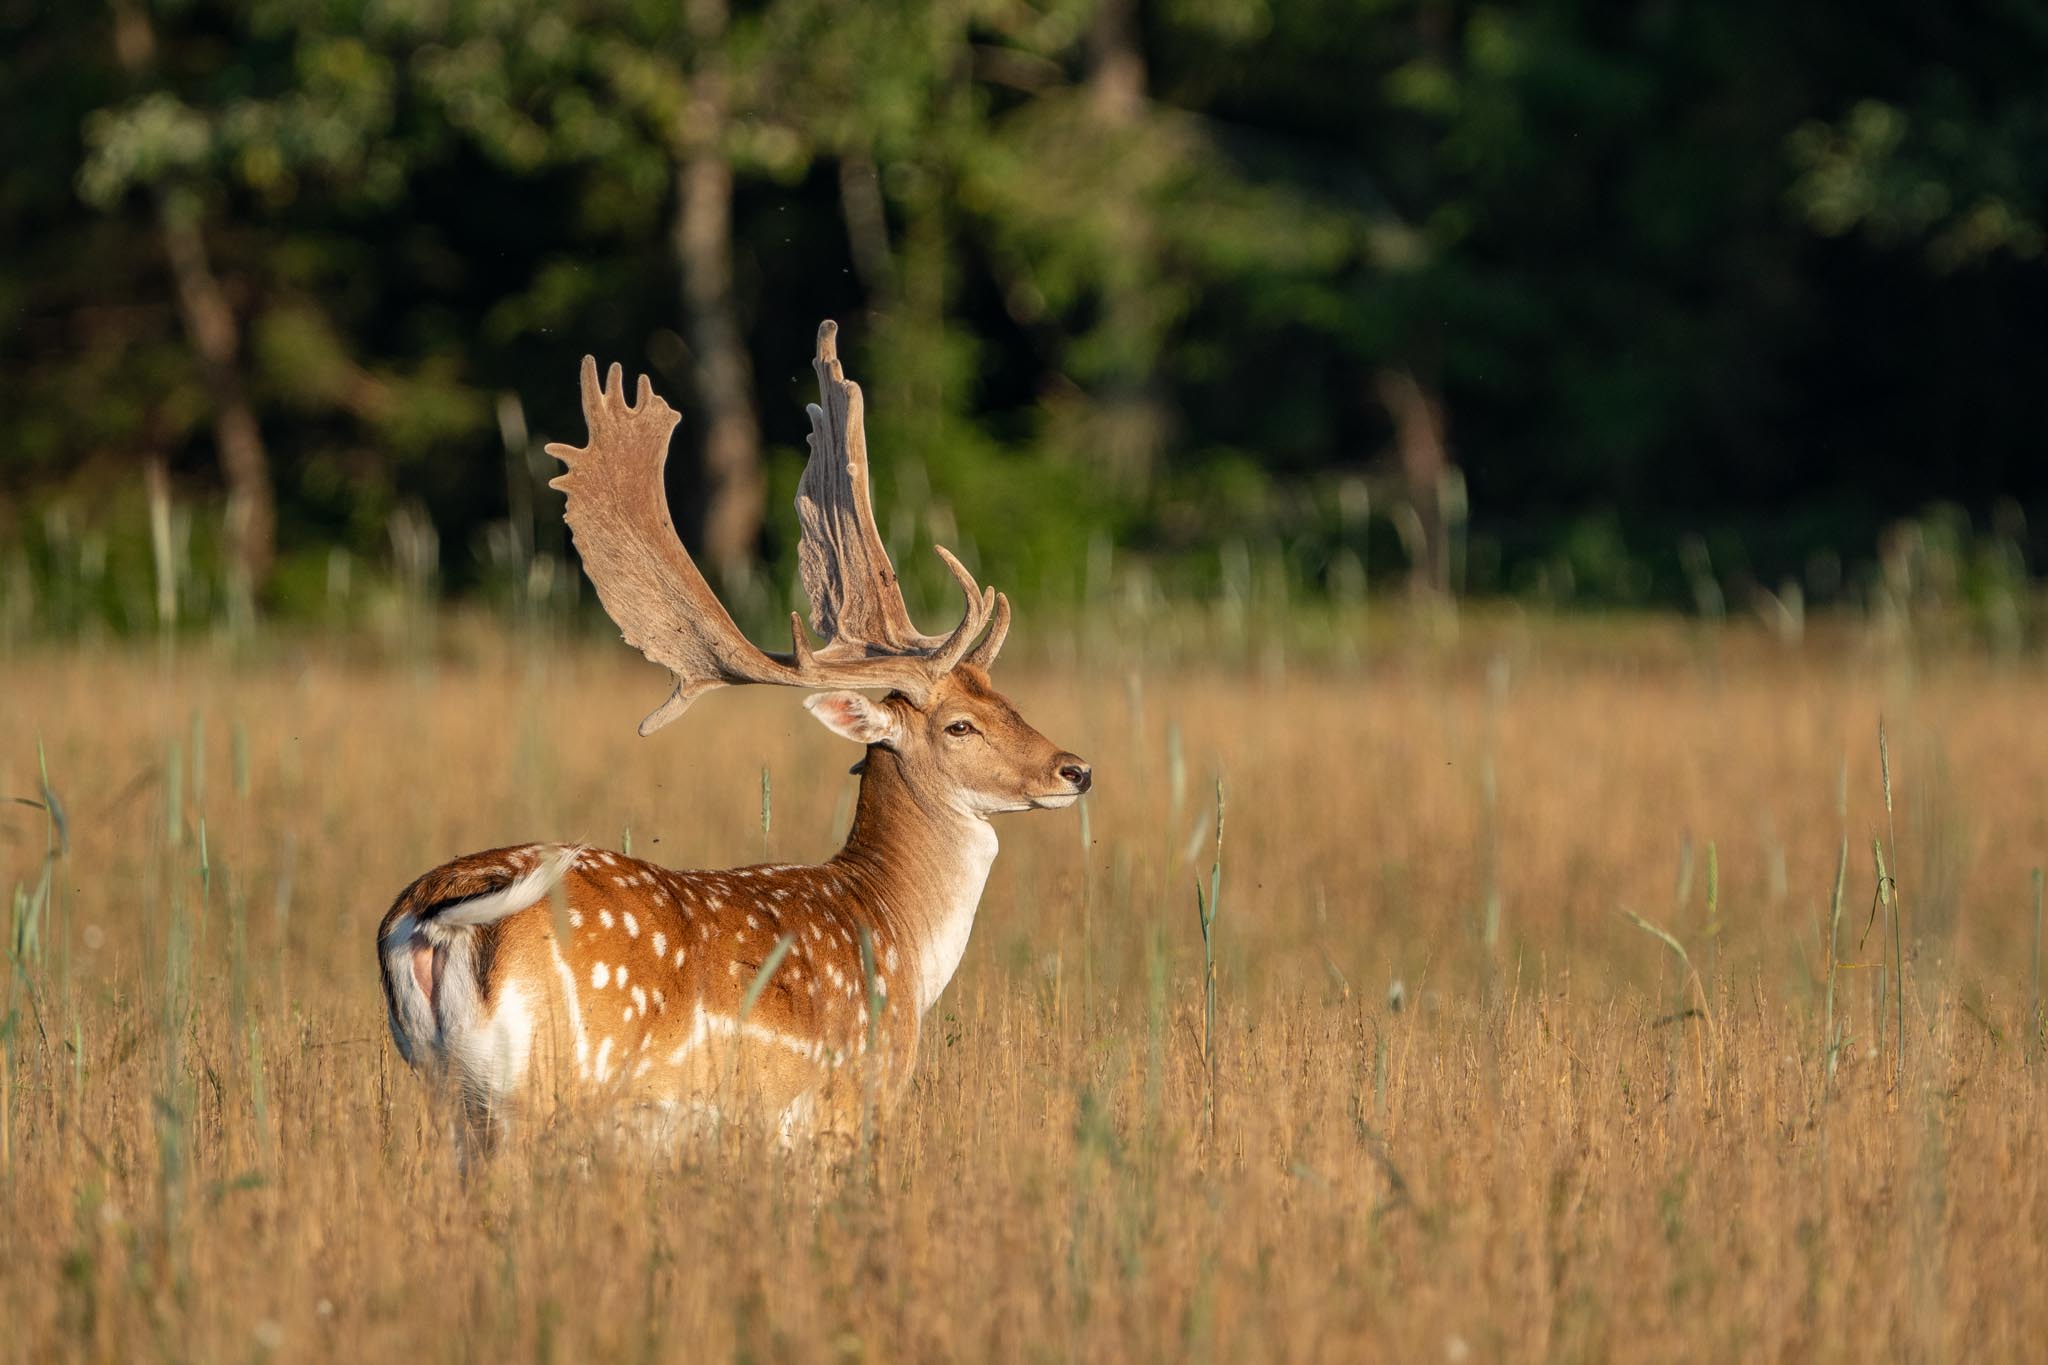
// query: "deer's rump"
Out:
[652,1000]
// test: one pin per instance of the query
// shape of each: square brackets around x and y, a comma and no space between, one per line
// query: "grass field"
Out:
[1464,1107]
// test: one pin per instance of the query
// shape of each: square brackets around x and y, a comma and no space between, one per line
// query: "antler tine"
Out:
[800,645]
[980,603]
[984,654]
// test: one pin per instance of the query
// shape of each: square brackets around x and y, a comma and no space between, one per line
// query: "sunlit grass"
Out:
[210,1150]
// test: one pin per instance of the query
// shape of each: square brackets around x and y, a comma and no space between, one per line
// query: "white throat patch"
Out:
[953,908]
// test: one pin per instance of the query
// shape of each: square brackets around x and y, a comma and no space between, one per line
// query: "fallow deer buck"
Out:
[527,978]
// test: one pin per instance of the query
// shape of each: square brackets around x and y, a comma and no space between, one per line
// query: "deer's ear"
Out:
[852,716]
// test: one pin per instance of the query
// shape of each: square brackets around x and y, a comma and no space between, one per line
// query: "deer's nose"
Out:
[1076,772]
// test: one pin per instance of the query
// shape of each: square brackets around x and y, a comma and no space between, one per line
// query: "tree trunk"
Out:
[1134,417]
[1116,63]
[735,485]
[867,222]
[216,334]
[1424,454]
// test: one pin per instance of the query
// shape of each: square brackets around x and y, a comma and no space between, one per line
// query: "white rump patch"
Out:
[492,1056]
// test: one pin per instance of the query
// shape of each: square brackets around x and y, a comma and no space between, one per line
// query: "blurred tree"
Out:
[731,441]
[271,141]
[1169,275]
[162,147]
[1959,166]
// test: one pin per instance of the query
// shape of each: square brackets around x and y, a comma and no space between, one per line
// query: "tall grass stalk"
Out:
[29,930]
[1176,785]
[1888,887]
[1831,1045]
[259,1090]
[239,752]
[1087,915]
[750,998]
[1692,974]
[1205,910]
[1889,992]
[7,1088]
[769,966]
[157,484]
[1713,909]
[1489,796]
[872,1064]
[174,795]
[2034,996]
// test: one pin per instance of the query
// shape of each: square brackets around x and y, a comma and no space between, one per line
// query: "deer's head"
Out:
[958,741]
[962,745]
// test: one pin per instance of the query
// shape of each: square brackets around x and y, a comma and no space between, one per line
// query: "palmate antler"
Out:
[618,513]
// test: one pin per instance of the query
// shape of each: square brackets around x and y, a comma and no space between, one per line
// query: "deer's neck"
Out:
[922,868]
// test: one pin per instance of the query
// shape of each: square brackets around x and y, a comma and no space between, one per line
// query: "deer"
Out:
[532,980]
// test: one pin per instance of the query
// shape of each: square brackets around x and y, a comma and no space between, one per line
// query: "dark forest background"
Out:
[1666,302]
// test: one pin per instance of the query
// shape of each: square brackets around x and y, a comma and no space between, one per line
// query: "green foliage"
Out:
[1967,181]
[1111,276]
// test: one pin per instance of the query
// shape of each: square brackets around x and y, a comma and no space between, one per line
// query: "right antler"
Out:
[618,514]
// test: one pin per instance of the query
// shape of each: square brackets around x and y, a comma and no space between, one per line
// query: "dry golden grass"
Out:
[209,1150]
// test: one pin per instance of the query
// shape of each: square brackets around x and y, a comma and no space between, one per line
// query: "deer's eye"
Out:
[960,727]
